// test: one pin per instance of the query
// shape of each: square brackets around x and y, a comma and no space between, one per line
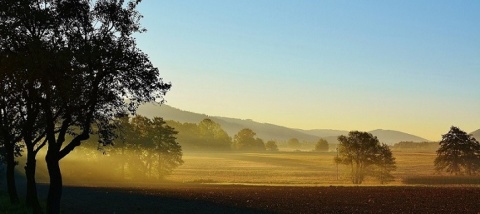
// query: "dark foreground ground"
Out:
[270,199]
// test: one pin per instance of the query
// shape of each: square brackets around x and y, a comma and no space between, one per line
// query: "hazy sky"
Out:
[412,66]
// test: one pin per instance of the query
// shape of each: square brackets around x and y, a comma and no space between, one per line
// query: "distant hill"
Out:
[268,131]
[391,137]
[324,132]
[230,125]
[476,134]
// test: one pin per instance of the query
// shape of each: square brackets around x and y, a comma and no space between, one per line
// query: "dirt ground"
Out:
[197,198]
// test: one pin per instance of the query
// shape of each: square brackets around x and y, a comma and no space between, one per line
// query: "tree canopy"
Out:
[271,146]
[245,140]
[366,156]
[206,135]
[459,153]
[321,145]
[81,59]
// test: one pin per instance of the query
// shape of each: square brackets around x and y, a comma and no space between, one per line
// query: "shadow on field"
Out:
[195,198]
[136,200]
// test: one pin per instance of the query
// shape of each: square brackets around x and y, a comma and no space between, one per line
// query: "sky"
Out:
[411,66]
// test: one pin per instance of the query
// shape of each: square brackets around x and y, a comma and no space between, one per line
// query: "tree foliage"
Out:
[321,145]
[271,146]
[206,135]
[245,140]
[147,148]
[459,153]
[366,157]
[82,60]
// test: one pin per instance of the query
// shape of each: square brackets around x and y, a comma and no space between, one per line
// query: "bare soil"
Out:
[198,198]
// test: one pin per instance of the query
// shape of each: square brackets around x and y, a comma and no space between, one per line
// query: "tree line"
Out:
[145,150]
[208,135]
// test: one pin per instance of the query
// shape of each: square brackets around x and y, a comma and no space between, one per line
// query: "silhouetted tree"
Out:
[21,60]
[364,154]
[245,140]
[10,132]
[271,146]
[91,70]
[459,153]
[321,145]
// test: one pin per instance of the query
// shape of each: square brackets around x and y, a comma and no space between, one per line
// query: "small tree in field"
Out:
[271,146]
[245,140]
[366,157]
[321,146]
[459,153]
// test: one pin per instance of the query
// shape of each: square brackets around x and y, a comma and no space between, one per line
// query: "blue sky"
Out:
[411,66]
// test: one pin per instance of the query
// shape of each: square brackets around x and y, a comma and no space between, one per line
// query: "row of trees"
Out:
[145,150]
[210,136]
[67,66]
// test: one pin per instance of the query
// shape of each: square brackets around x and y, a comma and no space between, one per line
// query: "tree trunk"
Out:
[55,190]
[30,168]
[11,186]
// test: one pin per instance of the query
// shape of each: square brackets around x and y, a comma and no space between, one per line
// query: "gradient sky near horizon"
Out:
[411,66]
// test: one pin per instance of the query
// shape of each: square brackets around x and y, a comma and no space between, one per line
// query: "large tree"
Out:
[10,132]
[459,153]
[366,156]
[22,57]
[91,70]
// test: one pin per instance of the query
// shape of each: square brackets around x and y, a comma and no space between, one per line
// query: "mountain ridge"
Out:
[268,131]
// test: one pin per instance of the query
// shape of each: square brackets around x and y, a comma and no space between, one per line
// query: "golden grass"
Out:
[295,168]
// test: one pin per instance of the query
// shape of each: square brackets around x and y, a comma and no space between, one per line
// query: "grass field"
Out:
[281,182]
[287,168]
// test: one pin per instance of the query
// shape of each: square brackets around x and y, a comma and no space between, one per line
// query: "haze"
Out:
[409,66]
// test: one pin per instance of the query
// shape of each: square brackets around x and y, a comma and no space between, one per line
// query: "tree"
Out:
[21,57]
[207,135]
[213,136]
[90,70]
[293,143]
[385,164]
[245,140]
[10,132]
[321,145]
[459,153]
[366,157]
[271,146]
[153,149]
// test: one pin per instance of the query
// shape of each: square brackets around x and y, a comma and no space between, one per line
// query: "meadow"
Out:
[288,168]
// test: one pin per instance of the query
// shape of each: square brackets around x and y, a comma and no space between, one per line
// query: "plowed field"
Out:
[271,199]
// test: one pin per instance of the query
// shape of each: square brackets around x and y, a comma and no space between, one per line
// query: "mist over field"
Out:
[113,106]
